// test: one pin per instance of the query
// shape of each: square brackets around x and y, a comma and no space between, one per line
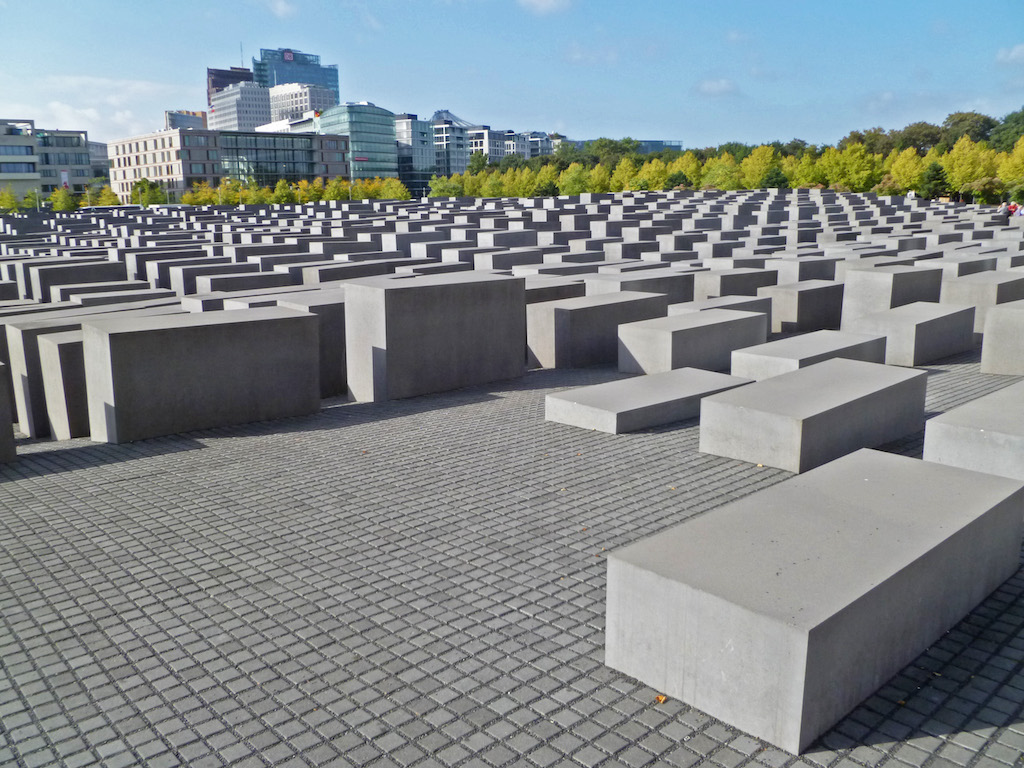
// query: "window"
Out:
[16,149]
[196,168]
[17,167]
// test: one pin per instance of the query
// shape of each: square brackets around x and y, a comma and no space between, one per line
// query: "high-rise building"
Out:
[371,132]
[42,159]
[482,138]
[219,79]
[240,107]
[451,143]
[285,65]
[416,161]
[177,159]
[291,100]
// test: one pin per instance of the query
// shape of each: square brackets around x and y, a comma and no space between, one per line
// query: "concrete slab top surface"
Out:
[642,391]
[125,322]
[689,320]
[805,392]
[809,344]
[806,548]
[1001,412]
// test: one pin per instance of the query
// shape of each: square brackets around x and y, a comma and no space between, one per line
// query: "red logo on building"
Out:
[288,56]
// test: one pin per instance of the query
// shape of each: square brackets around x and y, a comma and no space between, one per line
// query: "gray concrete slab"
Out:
[920,333]
[781,612]
[800,420]
[639,402]
[1002,348]
[811,305]
[786,355]
[63,371]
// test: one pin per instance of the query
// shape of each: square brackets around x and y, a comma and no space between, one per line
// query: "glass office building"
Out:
[371,136]
[284,65]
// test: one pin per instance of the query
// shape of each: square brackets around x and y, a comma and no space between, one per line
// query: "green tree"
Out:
[610,152]
[921,136]
[965,163]
[1011,169]
[774,178]
[677,179]
[599,179]
[653,173]
[546,183]
[861,169]
[756,165]
[1005,135]
[934,183]
[61,199]
[8,200]
[906,170]
[493,185]
[974,125]
[443,186]
[145,192]
[107,197]
[622,176]
[31,201]
[573,180]
[393,189]
[283,193]
[722,172]
[337,189]
[477,162]
[512,161]
[988,190]
[689,164]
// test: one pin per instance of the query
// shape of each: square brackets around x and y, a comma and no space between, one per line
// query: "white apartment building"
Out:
[492,143]
[239,107]
[176,159]
[292,100]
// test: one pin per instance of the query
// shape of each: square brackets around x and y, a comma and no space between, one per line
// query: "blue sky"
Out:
[700,72]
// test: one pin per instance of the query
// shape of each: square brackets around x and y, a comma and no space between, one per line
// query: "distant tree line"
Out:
[226,192]
[970,156]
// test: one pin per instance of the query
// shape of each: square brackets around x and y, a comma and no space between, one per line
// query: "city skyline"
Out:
[685,71]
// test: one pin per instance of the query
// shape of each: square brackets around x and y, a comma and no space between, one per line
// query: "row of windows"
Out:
[16,149]
[17,167]
[61,141]
[65,158]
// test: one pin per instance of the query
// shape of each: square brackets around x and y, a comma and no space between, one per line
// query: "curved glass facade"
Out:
[371,131]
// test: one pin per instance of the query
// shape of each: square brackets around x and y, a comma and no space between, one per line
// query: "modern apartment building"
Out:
[451,143]
[416,159]
[42,159]
[183,118]
[177,159]
[286,65]
[239,107]
[482,138]
[291,100]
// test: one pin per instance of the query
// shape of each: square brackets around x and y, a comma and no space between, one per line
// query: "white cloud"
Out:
[543,7]
[281,8]
[722,86]
[591,56]
[736,36]
[1013,55]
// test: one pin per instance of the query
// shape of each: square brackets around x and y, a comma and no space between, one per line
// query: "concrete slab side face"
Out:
[1002,348]
[920,333]
[8,451]
[432,334]
[175,374]
[63,370]
[834,581]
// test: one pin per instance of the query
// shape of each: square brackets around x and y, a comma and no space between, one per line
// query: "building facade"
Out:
[183,118]
[219,79]
[490,142]
[291,100]
[177,159]
[43,159]
[416,160]
[286,65]
[371,133]
[240,107]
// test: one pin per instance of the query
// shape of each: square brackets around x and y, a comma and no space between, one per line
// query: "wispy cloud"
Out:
[281,8]
[721,86]
[736,36]
[1013,55]
[591,55]
[543,7]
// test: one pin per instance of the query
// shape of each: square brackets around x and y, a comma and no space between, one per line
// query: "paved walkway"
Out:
[415,583]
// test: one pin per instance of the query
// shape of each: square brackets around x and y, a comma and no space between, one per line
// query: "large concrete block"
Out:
[802,419]
[691,340]
[920,333]
[811,305]
[151,376]
[637,403]
[575,333]
[676,285]
[986,434]
[8,451]
[780,612]
[63,369]
[732,282]
[1002,348]
[875,289]
[785,355]
[417,335]
[329,307]
[983,290]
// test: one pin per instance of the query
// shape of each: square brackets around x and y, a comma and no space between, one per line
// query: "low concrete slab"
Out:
[800,420]
[786,355]
[780,612]
[986,434]
[1002,348]
[920,333]
[638,403]
[983,290]
[691,340]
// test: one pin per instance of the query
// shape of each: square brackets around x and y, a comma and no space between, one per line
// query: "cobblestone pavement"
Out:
[415,583]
